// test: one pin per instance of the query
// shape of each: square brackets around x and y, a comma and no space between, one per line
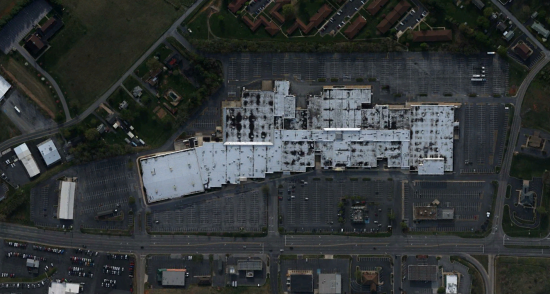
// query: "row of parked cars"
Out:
[48,249]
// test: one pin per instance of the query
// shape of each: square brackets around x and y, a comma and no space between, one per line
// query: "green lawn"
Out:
[536,104]
[484,260]
[147,125]
[517,74]
[100,41]
[526,167]
[522,275]
[8,129]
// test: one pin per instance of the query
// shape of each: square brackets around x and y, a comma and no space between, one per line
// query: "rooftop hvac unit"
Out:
[175,188]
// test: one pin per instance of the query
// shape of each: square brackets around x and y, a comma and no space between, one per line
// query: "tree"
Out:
[391,216]
[542,210]
[131,200]
[483,22]
[502,51]
[424,46]
[488,11]
[91,134]
[404,227]
[441,290]
[153,64]
[288,12]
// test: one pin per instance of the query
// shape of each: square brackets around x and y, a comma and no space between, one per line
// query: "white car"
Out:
[190,31]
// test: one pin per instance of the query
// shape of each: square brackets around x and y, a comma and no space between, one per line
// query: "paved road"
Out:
[521,27]
[34,64]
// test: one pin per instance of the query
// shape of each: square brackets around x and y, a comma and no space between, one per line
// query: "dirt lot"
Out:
[101,40]
[32,86]
[193,289]
[6,6]
[522,275]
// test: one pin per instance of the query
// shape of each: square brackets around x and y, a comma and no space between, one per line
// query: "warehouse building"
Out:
[49,152]
[65,208]
[24,154]
[172,277]
[4,88]
[341,127]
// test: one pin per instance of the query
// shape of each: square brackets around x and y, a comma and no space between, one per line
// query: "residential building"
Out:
[540,29]
[375,6]
[432,36]
[479,4]
[393,16]
[355,27]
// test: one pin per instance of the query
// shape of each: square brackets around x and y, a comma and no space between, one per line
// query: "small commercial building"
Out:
[425,273]
[33,265]
[63,288]
[4,87]
[249,266]
[172,277]
[49,152]
[451,284]
[24,154]
[301,283]
[330,284]
[65,208]
[522,50]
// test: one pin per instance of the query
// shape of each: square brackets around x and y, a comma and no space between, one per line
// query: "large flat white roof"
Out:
[171,175]
[4,87]
[65,209]
[49,152]
[24,154]
[264,136]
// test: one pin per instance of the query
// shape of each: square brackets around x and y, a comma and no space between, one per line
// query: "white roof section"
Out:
[451,285]
[171,175]
[270,134]
[63,288]
[330,284]
[65,210]
[4,87]
[24,154]
[49,152]
[431,166]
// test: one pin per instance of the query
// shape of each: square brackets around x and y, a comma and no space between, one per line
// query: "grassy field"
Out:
[484,260]
[101,40]
[148,126]
[194,289]
[536,104]
[8,129]
[517,75]
[526,167]
[522,275]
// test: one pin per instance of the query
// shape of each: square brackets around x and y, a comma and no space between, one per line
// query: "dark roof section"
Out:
[376,5]
[502,26]
[275,10]
[355,27]
[433,36]
[34,44]
[422,273]
[399,10]
[479,4]
[301,283]
[270,27]
[49,28]
[22,24]
[236,6]
[314,21]
[522,50]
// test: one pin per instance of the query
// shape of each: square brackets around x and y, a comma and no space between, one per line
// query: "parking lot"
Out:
[197,266]
[483,138]
[406,73]
[382,264]
[100,186]
[69,266]
[470,201]
[29,118]
[341,16]
[317,206]
[226,212]
[316,266]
